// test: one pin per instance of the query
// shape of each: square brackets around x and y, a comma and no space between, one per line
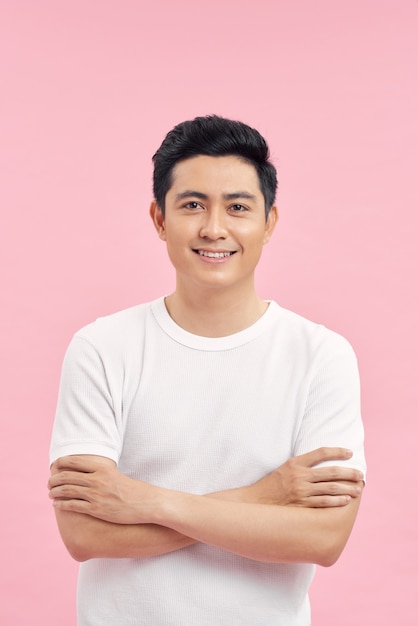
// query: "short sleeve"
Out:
[332,415]
[85,419]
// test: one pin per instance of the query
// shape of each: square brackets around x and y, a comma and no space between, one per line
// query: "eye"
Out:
[238,208]
[193,205]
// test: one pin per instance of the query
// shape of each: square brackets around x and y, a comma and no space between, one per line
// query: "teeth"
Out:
[214,255]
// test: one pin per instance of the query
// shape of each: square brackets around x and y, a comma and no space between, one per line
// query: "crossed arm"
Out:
[297,513]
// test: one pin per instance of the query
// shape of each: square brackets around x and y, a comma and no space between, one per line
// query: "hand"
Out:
[298,483]
[92,485]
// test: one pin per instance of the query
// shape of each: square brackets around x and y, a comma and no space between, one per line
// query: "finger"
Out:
[69,492]
[79,463]
[326,502]
[72,505]
[336,472]
[69,478]
[75,505]
[323,454]
[335,489]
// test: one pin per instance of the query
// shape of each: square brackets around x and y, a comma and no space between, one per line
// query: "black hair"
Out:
[213,136]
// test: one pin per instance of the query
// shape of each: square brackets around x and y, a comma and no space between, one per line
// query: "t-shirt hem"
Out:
[93,448]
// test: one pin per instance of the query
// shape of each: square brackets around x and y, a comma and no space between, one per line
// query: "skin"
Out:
[98,509]
[214,205]
[214,228]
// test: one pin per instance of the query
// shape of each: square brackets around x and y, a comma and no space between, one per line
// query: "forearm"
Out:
[269,533]
[87,537]
[103,513]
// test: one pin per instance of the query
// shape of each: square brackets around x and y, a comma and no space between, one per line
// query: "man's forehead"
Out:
[235,195]
[232,176]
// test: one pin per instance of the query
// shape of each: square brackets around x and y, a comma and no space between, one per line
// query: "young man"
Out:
[201,458]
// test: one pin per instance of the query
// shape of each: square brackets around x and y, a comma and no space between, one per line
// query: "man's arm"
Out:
[108,494]
[261,532]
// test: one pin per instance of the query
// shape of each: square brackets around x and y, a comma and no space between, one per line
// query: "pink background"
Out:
[88,90]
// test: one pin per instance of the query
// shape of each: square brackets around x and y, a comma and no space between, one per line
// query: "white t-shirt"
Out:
[200,414]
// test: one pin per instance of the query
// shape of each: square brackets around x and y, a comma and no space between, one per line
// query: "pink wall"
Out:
[88,90]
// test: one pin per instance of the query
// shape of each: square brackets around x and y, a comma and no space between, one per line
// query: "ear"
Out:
[158,220]
[271,221]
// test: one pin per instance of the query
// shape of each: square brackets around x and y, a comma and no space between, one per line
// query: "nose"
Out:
[214,224]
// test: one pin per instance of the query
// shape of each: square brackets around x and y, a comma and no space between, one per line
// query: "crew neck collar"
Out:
[179,334]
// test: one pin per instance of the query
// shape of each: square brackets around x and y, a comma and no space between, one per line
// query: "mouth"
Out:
[214,255]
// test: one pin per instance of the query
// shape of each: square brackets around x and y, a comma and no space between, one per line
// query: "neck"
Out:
[214,313]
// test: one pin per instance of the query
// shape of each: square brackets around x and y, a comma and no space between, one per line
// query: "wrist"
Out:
[239,494]
[165,506]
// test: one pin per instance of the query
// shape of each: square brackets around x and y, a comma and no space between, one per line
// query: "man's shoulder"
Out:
[310,333]
[117,328]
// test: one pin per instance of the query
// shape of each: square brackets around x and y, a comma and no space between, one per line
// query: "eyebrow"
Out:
[236,195]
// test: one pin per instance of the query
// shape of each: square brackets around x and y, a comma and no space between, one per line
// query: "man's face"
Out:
[214,224]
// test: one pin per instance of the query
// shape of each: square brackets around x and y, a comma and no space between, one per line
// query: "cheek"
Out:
[177,244]
[254,237]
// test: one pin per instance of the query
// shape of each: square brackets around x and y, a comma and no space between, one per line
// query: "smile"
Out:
[214,255]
